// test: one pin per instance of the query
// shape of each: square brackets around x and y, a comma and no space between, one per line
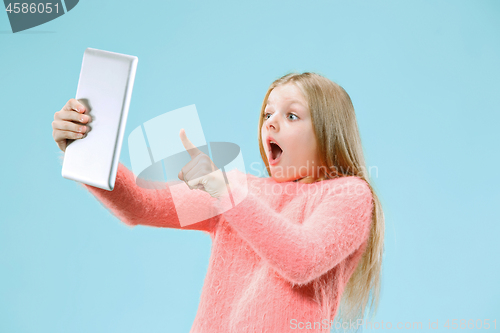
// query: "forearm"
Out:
[149,203]
[303,248]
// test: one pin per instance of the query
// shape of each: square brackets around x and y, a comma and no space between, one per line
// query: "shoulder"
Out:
[350,189]
[349,198]
[347,185]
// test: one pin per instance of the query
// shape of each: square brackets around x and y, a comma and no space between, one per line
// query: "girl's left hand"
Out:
[201,173]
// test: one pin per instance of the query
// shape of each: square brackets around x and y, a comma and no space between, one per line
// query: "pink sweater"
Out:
[268,252]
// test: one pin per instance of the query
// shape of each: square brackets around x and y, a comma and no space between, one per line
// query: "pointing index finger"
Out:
[190,147]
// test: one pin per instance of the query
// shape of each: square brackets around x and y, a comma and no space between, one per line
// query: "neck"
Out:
[305,180]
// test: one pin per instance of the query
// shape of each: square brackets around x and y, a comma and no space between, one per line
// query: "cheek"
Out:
[304,149]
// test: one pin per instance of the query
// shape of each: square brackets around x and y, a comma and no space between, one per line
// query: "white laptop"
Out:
[105,88]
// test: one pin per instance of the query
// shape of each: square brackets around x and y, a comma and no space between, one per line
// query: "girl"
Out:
[304,246]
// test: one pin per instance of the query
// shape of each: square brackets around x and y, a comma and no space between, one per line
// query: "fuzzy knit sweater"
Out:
[270,253]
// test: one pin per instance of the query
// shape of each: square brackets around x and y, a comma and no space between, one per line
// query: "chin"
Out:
[283,179]
[284,176]
[280,180]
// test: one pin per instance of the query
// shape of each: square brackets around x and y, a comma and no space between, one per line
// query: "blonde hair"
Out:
[339,145]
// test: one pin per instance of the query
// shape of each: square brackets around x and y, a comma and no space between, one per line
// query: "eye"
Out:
[290,114]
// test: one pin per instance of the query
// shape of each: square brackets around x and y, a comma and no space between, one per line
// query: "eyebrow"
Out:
[292,103]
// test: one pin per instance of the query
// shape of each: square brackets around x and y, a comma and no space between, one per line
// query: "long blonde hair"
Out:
[339,144]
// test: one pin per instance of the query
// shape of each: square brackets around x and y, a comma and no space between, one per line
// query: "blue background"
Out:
[423,77]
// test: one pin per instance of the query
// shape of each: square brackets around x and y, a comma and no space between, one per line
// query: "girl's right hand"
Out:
[69,123]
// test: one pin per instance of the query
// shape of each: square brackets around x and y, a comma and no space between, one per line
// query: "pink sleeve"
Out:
[301,252]
[151,206]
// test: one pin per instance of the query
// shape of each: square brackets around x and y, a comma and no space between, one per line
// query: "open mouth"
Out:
[275,151]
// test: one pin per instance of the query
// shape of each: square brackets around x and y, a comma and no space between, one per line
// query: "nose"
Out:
[272,123]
